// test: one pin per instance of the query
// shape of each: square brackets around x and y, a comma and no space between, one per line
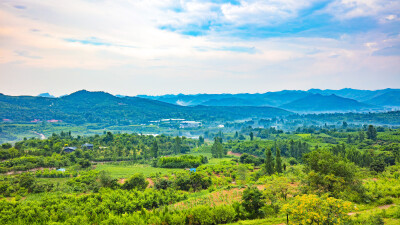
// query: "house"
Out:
[87,146]
[189,124]
[69,149]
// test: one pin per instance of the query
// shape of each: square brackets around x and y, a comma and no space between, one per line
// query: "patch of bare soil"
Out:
[151,182]
[235,154]
[121,181]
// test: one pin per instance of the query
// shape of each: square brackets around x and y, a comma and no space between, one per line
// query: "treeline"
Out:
[288,148]
[33,153]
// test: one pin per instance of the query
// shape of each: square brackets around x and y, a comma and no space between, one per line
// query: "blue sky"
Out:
[213,46]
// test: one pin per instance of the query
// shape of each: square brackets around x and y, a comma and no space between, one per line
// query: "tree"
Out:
[311,209]
[201,140]
[177,145]
[361,136]
[134,154]
[269,162]
[252,201]
[328,173]
[378,165]
[278,163]
[154,149]
[371,133]
[251,136]
[242,173]
[217,149]
[137,181]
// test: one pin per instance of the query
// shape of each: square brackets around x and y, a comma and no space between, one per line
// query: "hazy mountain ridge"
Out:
[101,107]
[327,103]
[391,98]
[275,99]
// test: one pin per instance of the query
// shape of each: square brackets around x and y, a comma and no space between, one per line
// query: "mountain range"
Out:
[100,107]
[94,107]
[313,100]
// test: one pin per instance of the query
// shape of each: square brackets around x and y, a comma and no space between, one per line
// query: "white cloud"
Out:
[349,9]
[138,57]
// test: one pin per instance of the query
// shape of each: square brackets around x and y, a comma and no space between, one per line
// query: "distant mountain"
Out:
[391,98]
[46,95]
[101,107]
[230,102]
[326,103]
[274,99]
[359,95]
[245,99]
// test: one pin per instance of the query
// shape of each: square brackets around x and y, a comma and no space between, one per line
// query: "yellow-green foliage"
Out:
[311,209]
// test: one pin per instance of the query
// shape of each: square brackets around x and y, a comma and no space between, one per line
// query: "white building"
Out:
[189,124]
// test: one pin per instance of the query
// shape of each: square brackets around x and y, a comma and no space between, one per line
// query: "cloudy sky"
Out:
[211,46]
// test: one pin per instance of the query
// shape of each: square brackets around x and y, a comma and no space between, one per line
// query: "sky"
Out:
[159,47]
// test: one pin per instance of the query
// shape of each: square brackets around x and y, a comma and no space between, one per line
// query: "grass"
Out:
[303,135]
[122,170]
[272,220]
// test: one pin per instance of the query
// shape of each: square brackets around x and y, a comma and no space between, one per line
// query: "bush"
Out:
[137,181]
[184,161]
[224,214]
[162,183]
[253,200]
[293,161]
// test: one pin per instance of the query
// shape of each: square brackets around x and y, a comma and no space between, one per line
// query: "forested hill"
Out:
[100,107]
[382,97]
[331,103]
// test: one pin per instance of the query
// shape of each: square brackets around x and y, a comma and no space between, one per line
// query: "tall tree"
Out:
[251,136]
[278,161]
[177,145]
[201,140]
[361,136]
[371,132]
[269,162]
[134,154]
[154,149]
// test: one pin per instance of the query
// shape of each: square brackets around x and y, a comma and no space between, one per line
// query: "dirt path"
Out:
[379,207]
[235,154]
[31,170]
[42,137]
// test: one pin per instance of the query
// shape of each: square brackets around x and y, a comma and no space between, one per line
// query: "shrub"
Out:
[137,181]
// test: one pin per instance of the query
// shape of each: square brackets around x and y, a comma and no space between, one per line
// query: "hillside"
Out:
[274,99]
[391,98]
[359,95]
[323,103]
[100,107]
[229,102]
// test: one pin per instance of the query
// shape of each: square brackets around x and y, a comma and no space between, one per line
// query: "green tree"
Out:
[361,136]
[154,149]
[201,140]
[251,136]
[371,133]
[217,149]
[134,153]
[137,181]
[177,145]
[252,201]
[269,162]
[328,173]
[278,161]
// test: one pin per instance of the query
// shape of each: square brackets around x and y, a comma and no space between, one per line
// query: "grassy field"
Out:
[125,171]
